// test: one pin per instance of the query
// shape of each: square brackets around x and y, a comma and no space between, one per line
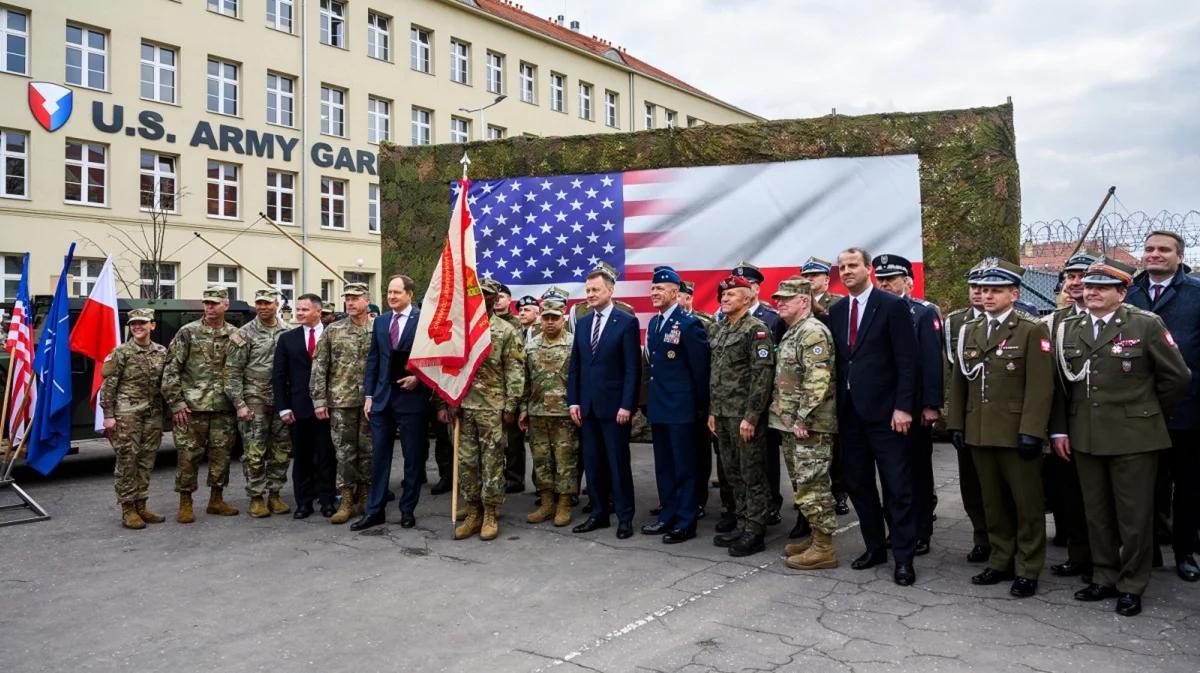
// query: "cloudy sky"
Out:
[1105,92]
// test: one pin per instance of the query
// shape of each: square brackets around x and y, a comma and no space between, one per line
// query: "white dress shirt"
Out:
[319,329]
[862,307]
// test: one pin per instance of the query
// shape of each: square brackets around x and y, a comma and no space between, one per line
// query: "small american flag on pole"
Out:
[19,345]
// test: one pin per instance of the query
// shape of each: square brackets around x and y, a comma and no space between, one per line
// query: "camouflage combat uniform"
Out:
[248,383]
[339,368]
[193,379]
[804,394]
[551,433]
[130,395]
[496,389]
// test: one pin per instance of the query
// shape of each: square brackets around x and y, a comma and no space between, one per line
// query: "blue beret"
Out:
[665,274]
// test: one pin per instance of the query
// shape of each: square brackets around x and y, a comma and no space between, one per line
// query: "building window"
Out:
[359,277]
[373,208]
[167,277]
[422,126]
[158,73]
[558,99]
[284,282]
[222,87]
[333,111]
[281,197]
[495,72]
[495,132]
[87,57]
[649,115]
[222,189]
[460,62]
[14,42]
[528,83]
[14,163]
[279,15]
[12,276]
[158,182]
[379,120]
[610,109]
[420,50]
[86,173]
[333,23]
[694,121]
[672,118]
[460,130]
[224,276]
[281,99]
[379,36]
[226,7]
[585,101]
[326,289]
[333,203]
[84,274]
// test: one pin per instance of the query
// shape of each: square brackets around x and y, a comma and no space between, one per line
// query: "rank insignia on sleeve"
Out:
[1045,345]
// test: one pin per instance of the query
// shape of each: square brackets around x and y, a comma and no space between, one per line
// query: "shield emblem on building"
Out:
[50,104]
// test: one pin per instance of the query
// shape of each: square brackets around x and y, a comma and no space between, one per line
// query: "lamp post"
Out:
[480,110]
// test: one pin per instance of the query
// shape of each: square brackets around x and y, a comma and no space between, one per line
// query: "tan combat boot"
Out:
[819,556]
[545,510]
[147,515]
[360,499]
[258,508]
[276,505]
[562,516]
[471,523]
[185,514]
[797,548]
[460,513]
[491,527]
[217,504]
[130,518]
[345,508]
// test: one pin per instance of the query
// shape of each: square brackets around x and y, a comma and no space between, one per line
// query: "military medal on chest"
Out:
[1000,347]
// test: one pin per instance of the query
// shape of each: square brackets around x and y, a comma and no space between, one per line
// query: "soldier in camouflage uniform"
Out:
[546,419]
[336,386]
[503,308]
[743,364]
[248,385]
[491,402]
[804,410]
[193,386]
[132,409]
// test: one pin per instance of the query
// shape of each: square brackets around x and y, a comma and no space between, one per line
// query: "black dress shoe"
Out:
[1094,592]
[700,513]
[677,535]
[442,486]
[328,510]
[587,509]
[1186,568]
[514,488]
[303,511]
[869,560]
[656,511]
[624,530]
[904,574]
[391,495]
[922,547]
[991,576]
[802,528]
[655,528]
[1070,569]
[727,538]
[727,522]
[407,520]
[774,518]
[747,544]
[1023,587]
[1129,605]
[368,521]
[978,554]
[591,524]
[839,505]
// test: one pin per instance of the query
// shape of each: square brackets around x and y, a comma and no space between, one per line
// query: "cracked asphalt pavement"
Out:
[239,594]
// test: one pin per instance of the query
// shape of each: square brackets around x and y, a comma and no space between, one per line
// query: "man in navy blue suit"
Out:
[602,386]
[876,343]
[394,398]
[677,354]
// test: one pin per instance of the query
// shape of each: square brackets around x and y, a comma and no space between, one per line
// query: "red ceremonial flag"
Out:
[453,335]
[98,330]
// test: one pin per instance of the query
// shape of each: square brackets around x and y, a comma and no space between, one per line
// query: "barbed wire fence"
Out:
[1127,230]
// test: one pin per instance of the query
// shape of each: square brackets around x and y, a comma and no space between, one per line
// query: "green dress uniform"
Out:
[1065,498]
[821,304]
[968,477]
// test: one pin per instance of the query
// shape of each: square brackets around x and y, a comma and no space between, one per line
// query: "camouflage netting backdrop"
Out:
[970,187]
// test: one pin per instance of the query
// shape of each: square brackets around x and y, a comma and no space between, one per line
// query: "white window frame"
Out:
[612,109]
[585,101]
[158,175]
[284,99]
[373,208]
[360,277]
[224,7]
[275,15]
[379,120]
[495,72]
[528,72]
[651,109]
[8,35]
[85,271]
[421,126]
[285,290]
[168,284]
[558,92]
[333,111]
[222,182]
[14,278]
[379,36]
[85,166]
[276,186]
[420,49]
[159,71]
[672,118]
[333,23]
[222,278]
[496,132]
[460,62]
[460,130]
[7,155]
[222,82]
[326,290]
[329,203]
[88,55]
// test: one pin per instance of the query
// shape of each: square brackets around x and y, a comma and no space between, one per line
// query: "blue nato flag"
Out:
[51,435]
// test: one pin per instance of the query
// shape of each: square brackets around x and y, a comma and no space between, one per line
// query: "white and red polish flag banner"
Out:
[453,335]
[536,232]
[97,331]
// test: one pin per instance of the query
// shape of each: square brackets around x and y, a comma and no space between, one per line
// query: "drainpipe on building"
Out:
[632,105]
[303,191]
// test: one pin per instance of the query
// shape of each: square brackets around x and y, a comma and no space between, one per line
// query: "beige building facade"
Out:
[196,116]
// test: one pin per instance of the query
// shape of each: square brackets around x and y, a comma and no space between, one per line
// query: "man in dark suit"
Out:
[876,343]
[394,398]
[602,386]
[677,355]
[313,460]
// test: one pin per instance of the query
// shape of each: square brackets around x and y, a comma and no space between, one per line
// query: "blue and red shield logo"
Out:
[50,104]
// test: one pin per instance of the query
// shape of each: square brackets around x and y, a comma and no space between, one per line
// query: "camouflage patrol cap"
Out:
[792,287]
[490,286]
[605,269]
[356,290]
[553,307]
[266,294]
[215,294]
[140,315]
[326,308]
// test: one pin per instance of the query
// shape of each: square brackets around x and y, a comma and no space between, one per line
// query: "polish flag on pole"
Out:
[98,330]
[453,335]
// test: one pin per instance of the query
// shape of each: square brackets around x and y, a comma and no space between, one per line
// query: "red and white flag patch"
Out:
[1169,338]
[1045,345]
[937,325]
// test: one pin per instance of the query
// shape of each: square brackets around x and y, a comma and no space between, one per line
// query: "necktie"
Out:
[312,342]
[853,322]
[596,331]
[1157,290]
[1099,329]
[395,330]
[992,327]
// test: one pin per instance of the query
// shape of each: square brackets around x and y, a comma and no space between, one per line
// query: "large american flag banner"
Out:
[19,345]
[536,232]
